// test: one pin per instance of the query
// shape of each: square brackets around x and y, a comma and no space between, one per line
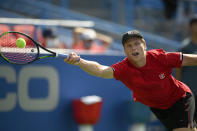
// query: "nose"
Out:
[133,47]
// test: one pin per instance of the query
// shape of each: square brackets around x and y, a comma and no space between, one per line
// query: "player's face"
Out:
[135,50]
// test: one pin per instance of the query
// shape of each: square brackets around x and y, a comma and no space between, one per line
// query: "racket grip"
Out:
[62,56]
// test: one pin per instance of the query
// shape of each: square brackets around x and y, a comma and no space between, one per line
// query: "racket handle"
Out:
[62,56]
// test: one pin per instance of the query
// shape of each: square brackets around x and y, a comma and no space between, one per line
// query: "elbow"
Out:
[96,73]
[105,76]
[100,74]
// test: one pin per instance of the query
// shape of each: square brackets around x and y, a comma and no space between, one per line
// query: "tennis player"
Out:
[148,75]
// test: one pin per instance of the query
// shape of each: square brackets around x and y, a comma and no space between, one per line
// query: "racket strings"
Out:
[18,57]
[14,54]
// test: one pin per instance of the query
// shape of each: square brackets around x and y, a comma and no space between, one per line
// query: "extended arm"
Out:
[91,67]
[189,60]
[178,73]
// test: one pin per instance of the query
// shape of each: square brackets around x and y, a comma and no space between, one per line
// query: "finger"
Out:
[70,57]
[73,58]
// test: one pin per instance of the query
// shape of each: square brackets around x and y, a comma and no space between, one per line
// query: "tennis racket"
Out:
[30,53]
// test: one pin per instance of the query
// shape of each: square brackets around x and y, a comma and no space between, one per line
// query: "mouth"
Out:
[135,54]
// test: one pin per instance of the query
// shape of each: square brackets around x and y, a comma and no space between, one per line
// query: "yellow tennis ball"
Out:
[20,43]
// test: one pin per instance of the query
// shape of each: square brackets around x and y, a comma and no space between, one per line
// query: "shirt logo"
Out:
[162,76]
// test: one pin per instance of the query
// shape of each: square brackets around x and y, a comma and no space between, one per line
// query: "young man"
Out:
[148,75]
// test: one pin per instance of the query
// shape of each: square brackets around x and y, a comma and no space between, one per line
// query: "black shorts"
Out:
[178,115]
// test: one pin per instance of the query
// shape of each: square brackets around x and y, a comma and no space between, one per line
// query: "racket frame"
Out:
[53,54]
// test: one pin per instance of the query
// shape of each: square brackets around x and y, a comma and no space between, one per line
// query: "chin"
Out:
[133,59]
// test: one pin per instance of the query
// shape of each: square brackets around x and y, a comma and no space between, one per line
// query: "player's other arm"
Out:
[91,67]
[178,73]
[189,60]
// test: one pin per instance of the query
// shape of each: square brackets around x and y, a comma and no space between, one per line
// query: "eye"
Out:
[137,43]
[129,45]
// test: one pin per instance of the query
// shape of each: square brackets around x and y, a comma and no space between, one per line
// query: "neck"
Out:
[139,63]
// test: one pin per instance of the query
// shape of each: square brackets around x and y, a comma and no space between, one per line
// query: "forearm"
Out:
[92,68]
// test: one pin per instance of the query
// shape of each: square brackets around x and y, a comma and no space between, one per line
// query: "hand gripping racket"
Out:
[25,55]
